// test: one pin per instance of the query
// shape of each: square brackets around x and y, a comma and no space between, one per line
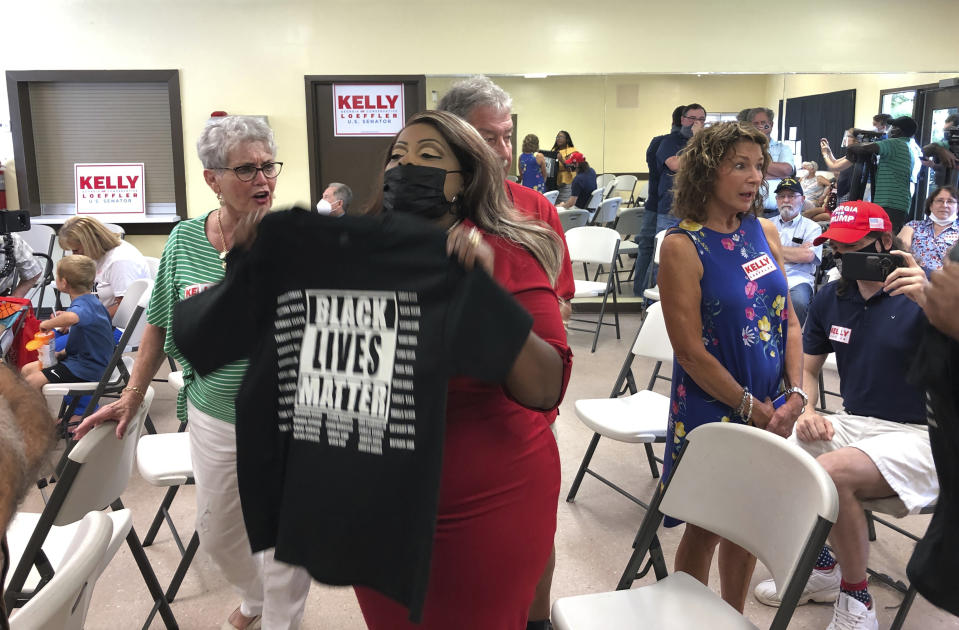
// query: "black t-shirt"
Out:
[932,568]
[352,326]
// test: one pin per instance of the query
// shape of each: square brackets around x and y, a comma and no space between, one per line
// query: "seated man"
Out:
[583,184]
[19,268]
[879,447]
[796,234]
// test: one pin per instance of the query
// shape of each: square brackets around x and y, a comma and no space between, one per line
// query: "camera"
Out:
[864,135]
[952,139]
[869,266]
[14,221]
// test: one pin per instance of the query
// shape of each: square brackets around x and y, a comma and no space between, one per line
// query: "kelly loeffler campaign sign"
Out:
[368,109]
[109,188]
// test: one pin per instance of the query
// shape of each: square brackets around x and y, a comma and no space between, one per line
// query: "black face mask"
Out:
[416,190]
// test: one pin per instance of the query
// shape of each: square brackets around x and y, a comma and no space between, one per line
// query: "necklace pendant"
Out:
[223,259]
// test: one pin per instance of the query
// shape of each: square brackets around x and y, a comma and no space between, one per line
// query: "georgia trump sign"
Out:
[109,188]
[367,109]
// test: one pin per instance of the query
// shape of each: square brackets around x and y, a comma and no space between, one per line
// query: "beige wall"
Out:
[250,57]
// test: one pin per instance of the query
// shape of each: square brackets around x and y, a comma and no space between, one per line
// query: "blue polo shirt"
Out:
[668,147]
[875,342]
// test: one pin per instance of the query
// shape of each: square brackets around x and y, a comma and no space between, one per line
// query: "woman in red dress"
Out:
[501,473]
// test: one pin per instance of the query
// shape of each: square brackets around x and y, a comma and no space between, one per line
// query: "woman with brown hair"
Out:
[500,478]
[532,164]
[726,303]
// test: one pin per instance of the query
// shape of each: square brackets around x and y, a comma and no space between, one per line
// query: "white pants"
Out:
[268,587]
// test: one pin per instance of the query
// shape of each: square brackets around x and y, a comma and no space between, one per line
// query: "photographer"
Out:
[879,447]
[19,268]
[897,171]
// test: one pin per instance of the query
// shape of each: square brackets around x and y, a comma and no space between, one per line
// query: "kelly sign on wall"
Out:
[367,109]
[109,188]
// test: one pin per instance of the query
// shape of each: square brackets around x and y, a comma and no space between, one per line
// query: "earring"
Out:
[219,197]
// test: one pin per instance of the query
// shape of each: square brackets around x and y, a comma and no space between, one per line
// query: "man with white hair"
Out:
[487,107]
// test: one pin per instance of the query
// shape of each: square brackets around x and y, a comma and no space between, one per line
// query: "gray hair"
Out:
[476,91]
[759,110]
[222,135]
[342,192]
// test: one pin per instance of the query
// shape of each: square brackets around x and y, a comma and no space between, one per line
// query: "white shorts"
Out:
[901,452]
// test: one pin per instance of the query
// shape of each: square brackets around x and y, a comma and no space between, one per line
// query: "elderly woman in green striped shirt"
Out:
[238,156]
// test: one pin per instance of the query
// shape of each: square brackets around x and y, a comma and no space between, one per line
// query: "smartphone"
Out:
[780,401]
[797,240]
[869,266]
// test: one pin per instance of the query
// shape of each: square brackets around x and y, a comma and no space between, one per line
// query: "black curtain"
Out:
[820,116]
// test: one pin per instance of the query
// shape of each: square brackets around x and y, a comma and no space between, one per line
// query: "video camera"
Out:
[952,139]
[14,221]
[865,135]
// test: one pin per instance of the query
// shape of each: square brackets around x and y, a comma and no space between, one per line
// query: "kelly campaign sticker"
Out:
[759,267]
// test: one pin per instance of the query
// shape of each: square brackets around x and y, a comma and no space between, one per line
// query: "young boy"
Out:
[90,344]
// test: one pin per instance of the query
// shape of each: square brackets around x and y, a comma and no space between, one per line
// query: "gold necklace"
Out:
[219,227]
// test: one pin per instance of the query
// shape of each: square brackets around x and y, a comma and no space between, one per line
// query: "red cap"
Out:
[575,158]
[852,220]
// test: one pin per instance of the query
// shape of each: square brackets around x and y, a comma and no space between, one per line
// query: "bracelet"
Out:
[749,413]
[135,390]
[742,403]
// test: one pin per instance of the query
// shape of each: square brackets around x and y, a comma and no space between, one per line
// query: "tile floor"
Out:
[592,540]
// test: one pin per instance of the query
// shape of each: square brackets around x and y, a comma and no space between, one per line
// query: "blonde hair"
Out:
[483,199]
[94,238]
[78,271]
[701,159]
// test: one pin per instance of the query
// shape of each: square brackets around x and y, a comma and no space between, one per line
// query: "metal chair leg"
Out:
[573,489]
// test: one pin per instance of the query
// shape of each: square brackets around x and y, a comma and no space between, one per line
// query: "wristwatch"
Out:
[802,394]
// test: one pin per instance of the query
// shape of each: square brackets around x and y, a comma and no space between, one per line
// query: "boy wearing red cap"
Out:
[879,446]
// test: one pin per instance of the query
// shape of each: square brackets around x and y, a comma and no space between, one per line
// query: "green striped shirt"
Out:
[892,176]
[189,265]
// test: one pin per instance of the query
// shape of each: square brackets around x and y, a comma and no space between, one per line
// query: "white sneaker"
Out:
[822,586]
[852,614]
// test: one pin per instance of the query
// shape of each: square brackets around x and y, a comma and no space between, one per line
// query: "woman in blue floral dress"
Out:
[726,304]
[532,165]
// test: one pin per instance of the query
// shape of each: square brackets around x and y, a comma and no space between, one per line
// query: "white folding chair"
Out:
[830,365]
[116,229]
[154,264]
[643,194]
[43,241]
[603,179]
[624,187]
[94,475]
[591,244]
[628,223]
[164,460]
[729,480]
[607,212]
[639,418]
[572,217]
[63,602]
[551,196]
[594,201]
[652,293]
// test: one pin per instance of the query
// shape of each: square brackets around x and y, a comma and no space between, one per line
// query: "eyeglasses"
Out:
[701,119]
[945,202]
[247,172]
[762,125]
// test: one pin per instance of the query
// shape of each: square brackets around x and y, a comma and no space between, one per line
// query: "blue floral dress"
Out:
[531,173]
[743,309]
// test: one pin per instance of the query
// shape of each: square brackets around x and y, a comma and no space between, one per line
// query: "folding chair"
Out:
[600,245]
[43,241]
[830,365]
[728,479]
[96,473]
[154,264]
[889,507]
[594,202]
[551,196]
[639,418]
[625,184]
[573,217]
[603,179]
[116,229]
[164,460]
[607,211]
[63,602]
[628,223]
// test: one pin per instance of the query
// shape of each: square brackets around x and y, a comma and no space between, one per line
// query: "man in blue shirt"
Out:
[796,234]
[667,155]
[653,221]
[879,447]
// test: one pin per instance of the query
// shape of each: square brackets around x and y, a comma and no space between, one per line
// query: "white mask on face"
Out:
[323,207]
[944,222]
